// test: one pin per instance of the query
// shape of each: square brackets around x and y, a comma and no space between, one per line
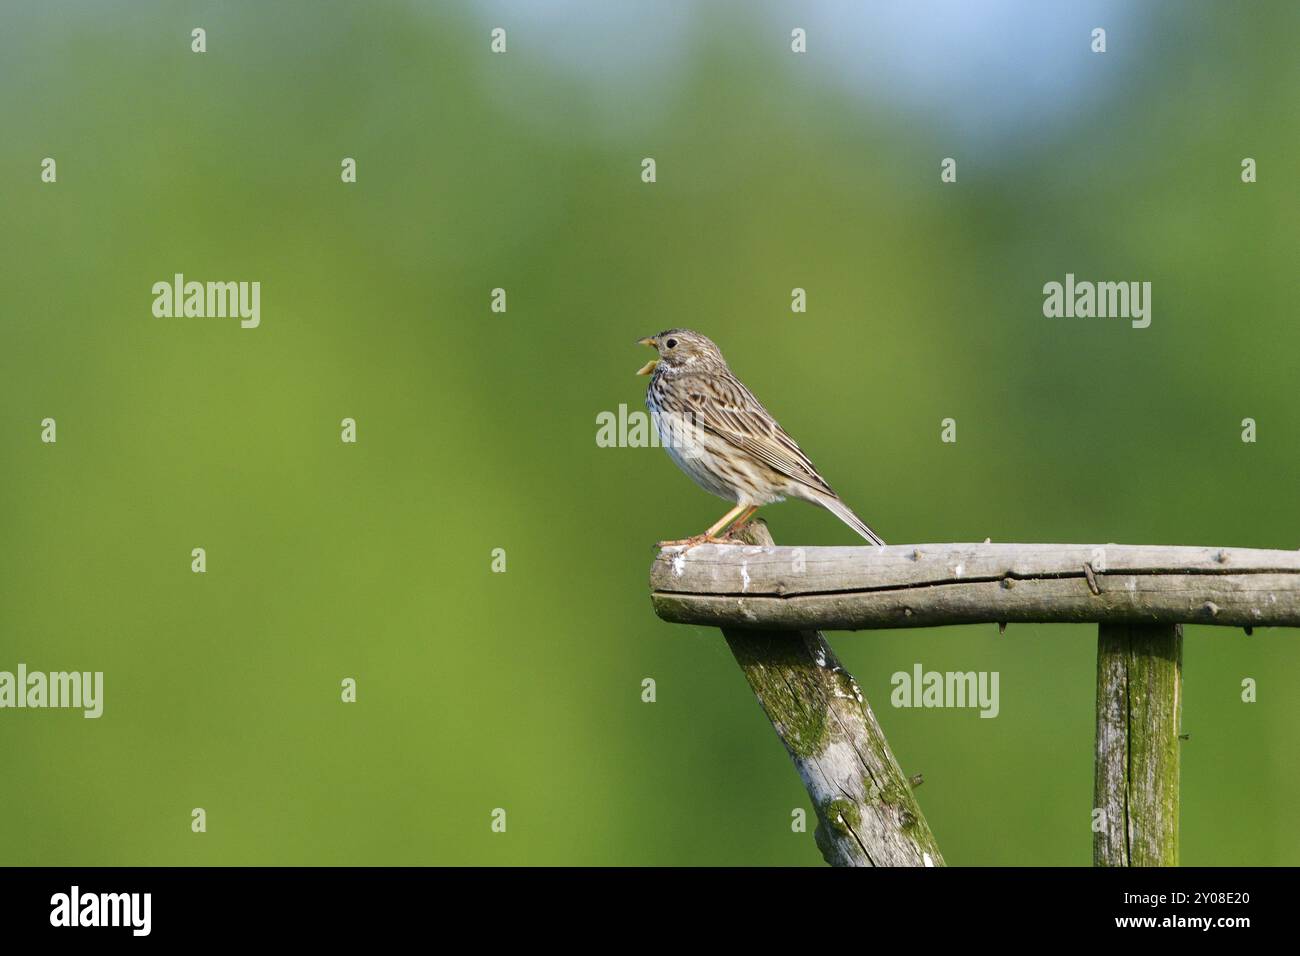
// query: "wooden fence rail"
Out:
[772,602]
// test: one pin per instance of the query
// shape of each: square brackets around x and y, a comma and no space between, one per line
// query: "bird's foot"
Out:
[693,540]
[683,542]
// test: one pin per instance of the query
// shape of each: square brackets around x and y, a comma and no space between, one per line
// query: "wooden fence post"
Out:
[936,585]
[773,602]
[867,815]
[1139,719]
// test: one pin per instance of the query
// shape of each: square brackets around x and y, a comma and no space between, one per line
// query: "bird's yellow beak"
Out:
[649,366]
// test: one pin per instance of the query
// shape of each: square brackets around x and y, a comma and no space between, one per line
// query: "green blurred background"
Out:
[477,430]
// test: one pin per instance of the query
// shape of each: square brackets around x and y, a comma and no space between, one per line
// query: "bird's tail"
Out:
[845,514]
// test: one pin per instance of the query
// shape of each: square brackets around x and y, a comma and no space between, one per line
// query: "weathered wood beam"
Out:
[840,588]
[867,815]
[1139,715]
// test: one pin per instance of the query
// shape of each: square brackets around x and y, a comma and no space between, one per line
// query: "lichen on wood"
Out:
[867,814]
[1139,716]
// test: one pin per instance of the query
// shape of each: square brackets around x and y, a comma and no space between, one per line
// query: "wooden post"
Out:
[867,815]
[772,603]
[1139,716]
[933,585]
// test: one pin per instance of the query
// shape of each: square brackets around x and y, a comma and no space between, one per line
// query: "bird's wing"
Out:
[730,411]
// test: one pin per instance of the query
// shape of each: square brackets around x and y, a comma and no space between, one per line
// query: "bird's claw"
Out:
[694,540]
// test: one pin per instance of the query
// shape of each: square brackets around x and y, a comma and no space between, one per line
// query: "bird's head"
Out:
[679,348]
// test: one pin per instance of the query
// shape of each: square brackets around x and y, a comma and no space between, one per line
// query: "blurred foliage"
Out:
[476,430]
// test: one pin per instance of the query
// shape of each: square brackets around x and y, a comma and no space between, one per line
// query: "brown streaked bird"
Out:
[724,439]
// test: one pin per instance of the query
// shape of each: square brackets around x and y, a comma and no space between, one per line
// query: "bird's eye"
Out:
[671,343]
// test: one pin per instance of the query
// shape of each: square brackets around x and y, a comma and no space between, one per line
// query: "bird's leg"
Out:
[741,521]
[710,535]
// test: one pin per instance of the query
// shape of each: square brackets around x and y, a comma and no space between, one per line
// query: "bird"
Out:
[717,432]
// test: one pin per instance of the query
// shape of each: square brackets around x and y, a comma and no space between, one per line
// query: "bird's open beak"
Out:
[649,366]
